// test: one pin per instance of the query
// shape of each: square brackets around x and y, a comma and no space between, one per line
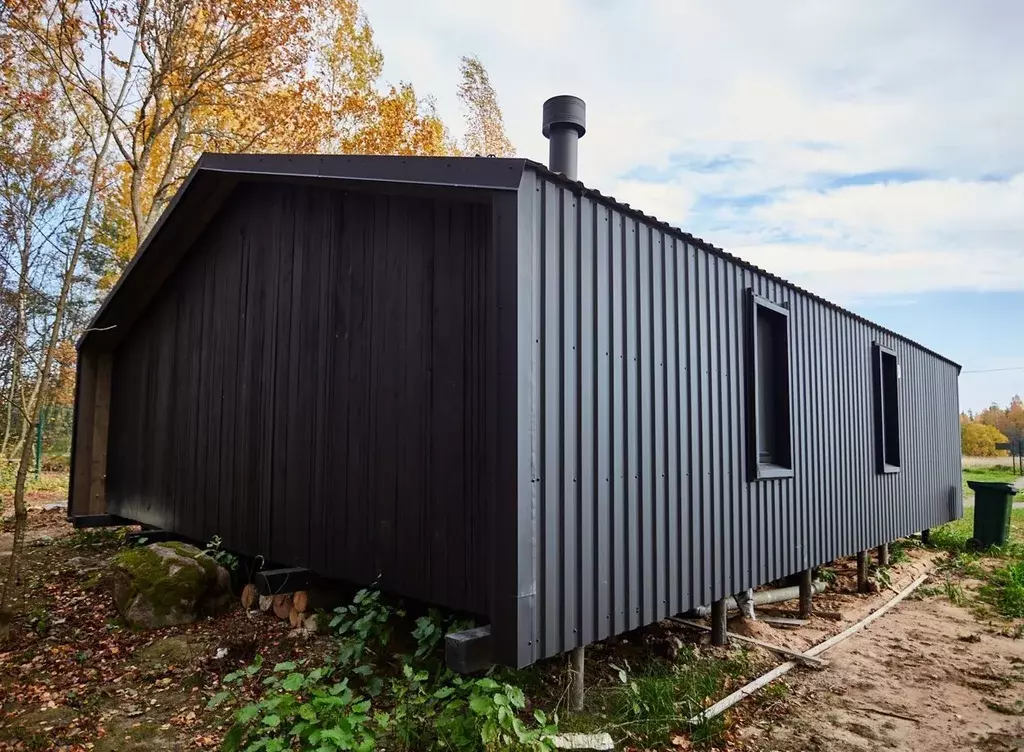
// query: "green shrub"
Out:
[430,708]
[311,709]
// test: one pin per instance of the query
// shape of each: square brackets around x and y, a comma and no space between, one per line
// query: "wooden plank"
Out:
[780,621]
[101,422]
[85,409]
[810,660]
[83,521]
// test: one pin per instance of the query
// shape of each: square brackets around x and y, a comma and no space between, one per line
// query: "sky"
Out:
[872,152]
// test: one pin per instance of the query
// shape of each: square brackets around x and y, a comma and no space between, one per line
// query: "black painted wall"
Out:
[309,385]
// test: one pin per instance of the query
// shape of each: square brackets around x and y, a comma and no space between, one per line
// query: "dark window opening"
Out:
[771,452]
[887,410]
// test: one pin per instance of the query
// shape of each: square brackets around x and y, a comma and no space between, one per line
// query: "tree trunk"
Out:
[20,526]
[282,605]
[249,596]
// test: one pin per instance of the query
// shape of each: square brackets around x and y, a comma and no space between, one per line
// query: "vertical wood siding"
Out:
[310,386]
[636,421]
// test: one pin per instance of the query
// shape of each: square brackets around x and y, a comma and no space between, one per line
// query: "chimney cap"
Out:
[565,110]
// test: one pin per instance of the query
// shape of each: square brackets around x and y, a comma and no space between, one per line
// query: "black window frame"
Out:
[784,468]
[884,455]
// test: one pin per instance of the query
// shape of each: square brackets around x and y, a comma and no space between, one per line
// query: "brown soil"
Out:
[928,675]
[72,677]
[43,527]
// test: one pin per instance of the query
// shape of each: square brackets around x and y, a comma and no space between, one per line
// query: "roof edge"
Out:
[721,253]
[460,173]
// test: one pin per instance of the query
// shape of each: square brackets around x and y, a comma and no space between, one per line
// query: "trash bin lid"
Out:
[988,485]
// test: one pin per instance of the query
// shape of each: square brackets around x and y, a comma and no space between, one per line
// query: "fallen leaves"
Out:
[85,679]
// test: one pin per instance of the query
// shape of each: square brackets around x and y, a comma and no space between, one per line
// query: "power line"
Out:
[994,370]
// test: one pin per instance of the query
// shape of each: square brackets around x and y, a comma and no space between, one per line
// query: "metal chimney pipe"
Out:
[565,122]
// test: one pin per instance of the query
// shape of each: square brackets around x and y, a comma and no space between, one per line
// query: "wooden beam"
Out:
[101,424]
[84,521]
[81,459]
[808,659]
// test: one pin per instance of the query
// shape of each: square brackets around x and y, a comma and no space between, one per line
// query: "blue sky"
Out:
[871,152]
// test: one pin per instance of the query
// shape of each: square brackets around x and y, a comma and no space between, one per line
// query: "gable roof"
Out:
[215,176]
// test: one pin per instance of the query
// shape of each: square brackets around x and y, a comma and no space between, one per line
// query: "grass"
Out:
[1000,568]
[1005,590]
[994,474]
[49,483]
[953,536]
[650,703]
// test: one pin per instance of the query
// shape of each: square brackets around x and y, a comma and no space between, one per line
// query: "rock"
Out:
[55,507]
[168,584]
[594,742]
[314,624]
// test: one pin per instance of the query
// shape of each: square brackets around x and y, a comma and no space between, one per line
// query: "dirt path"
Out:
[926,676]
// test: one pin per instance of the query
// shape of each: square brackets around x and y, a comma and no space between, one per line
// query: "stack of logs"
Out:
[294,607]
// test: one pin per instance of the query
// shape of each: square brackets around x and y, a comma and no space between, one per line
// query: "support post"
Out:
[862,571]
[883,555]
[806,594]
[719,623]
[576,676]
[926,536]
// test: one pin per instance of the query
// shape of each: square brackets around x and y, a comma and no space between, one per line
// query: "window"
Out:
[887,409]
[770,440]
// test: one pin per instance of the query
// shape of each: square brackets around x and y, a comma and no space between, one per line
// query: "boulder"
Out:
[167,584]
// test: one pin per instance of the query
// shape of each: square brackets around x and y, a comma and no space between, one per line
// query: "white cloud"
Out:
[793,91]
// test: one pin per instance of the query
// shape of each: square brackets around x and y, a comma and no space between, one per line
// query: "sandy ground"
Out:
[928,675]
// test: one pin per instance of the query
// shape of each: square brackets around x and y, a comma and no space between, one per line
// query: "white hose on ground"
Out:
[745,691]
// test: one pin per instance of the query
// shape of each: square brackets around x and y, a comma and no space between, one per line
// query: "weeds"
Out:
[955,593]
[363,630]
[310,708]
[660,698]
[225,558]
[343,704]
[965,564]
[1005,590]
[40,619]
[898,552]
[776,691]
[826,575]
[97,537]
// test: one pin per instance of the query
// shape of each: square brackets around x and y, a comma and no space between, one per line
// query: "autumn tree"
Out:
[979,440]
[1008,420]
[485,124]
[49,43]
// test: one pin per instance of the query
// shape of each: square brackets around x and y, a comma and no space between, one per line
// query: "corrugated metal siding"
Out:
[635,415]
[310,385]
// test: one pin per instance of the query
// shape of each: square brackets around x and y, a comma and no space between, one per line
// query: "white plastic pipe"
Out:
[724,704]
[764,597]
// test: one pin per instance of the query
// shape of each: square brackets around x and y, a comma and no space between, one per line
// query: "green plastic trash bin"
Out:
[993,503]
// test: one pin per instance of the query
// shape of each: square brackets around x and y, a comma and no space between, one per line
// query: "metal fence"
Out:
[53,440]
